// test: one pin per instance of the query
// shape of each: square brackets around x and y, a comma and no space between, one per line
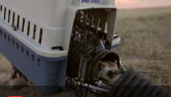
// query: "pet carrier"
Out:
[35,35]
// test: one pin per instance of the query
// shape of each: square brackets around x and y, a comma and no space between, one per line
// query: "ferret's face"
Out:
[109,70]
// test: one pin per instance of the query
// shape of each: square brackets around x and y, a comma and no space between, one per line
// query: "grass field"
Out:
[146,41]
[145,46]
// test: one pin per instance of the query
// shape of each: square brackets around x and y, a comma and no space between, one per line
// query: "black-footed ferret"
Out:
[110,72]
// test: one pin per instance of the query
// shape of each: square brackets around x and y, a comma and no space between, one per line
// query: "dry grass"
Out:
[145,46]
[146,42]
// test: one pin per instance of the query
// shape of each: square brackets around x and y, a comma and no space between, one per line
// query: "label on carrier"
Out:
[91,1]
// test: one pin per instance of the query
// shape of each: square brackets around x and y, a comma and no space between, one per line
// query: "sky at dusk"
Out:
[141,3]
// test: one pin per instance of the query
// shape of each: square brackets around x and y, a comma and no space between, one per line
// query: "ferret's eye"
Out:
[110,74]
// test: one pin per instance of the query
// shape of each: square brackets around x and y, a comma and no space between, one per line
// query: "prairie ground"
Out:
[146,42]
[145,47]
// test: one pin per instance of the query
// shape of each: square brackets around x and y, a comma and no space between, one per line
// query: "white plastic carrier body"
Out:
[44,24]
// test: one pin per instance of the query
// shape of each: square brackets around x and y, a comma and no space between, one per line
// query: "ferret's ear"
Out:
[101,65]
[115,61]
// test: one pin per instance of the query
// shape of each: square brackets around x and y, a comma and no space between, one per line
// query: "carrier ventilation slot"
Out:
[18,46]
[15,19]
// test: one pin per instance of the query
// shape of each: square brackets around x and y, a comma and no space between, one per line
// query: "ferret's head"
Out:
[109,70]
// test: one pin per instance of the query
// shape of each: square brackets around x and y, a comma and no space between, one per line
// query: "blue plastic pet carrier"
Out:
[35,37]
